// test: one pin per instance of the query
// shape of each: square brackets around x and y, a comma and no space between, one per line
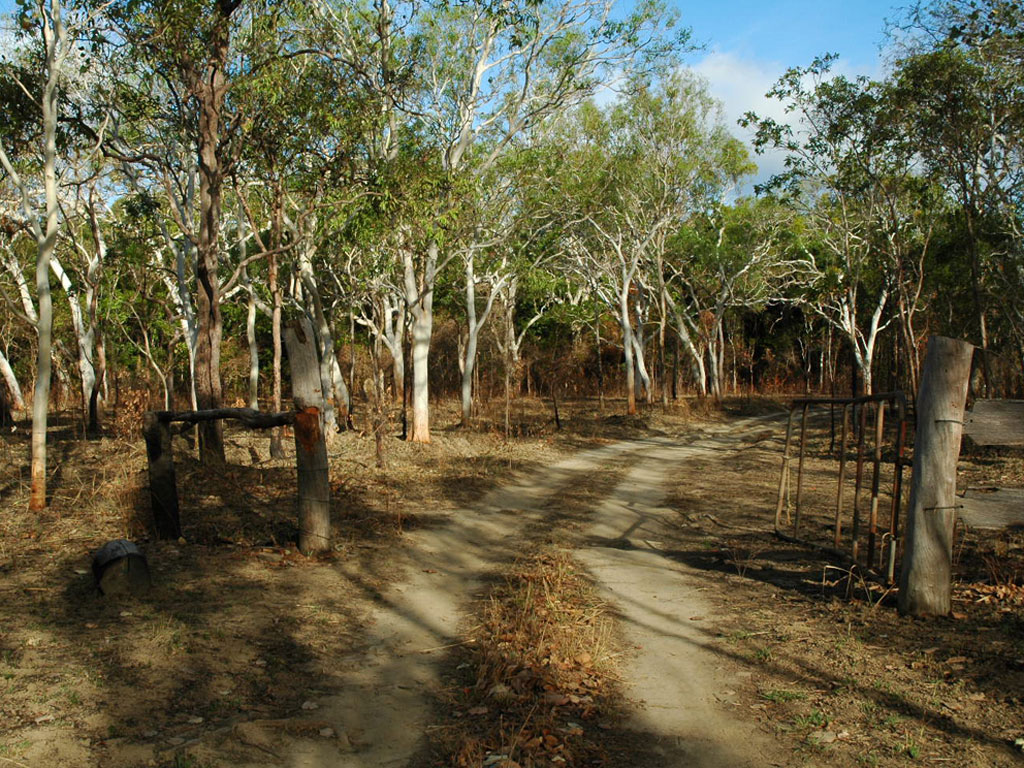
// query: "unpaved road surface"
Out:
[683,688]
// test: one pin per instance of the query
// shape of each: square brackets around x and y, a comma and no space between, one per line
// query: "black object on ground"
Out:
[120,568]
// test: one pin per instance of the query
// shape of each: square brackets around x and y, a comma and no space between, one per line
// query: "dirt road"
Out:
[680,687]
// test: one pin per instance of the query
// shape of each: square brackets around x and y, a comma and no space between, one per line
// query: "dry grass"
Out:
[538,680]
[832,667]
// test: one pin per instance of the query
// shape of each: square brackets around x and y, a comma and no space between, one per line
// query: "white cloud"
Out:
[741,82]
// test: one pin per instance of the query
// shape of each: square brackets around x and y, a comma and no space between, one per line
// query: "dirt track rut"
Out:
[681,684]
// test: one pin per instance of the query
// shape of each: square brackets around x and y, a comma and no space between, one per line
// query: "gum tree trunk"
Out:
[419,298]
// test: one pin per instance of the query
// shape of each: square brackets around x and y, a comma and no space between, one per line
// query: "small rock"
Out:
[822,737]
[500,691]
[195,720]
[148,734]
[176,741]
[327,732]
[310,705]
[44,719]
[126,614]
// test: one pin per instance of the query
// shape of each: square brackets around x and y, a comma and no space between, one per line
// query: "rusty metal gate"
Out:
[872,535]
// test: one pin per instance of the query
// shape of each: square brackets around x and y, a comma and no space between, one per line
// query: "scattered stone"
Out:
[310,705]
[195,720]
[327,732]
[822,737]
[500,691]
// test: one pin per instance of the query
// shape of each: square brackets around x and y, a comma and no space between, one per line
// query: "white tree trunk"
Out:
[627,348]
[84,337]
[393,337]
[419,297]
[7,373]
[325,340]
[473,327]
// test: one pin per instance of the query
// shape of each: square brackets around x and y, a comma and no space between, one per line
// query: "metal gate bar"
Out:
[895,403]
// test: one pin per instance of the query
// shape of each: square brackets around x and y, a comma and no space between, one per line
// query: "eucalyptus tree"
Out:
[88,244]
[52,40]
[492,71]
[199,51]
[961,83]
[632,174]
[725,258]
[844,163]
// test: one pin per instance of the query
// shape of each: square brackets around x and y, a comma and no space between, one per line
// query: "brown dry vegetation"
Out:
[239,626]
[832,668]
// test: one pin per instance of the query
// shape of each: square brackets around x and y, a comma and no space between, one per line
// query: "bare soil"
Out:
[245,653]
[833,669]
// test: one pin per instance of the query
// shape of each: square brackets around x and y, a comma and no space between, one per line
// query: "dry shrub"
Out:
[536,674]
[127,421]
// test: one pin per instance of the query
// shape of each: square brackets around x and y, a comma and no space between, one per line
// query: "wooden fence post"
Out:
[163,488]
[314,484]
[310,444]
[926,571]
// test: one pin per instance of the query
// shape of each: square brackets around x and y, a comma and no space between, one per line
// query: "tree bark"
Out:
[208,84]
[419,298]
[13,389]
[926,572]
[46,241]
[310,446]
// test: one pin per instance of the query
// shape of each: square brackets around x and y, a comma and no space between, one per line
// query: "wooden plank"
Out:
[249,417]
[993,508]
[996,422]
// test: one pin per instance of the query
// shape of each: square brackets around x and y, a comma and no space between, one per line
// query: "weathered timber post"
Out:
[310,444]
[314,486]
[163,488]
[926,572]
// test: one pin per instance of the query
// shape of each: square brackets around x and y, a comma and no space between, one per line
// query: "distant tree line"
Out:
[504,197]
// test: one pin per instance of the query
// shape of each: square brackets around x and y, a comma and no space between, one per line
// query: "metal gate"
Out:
[872,533]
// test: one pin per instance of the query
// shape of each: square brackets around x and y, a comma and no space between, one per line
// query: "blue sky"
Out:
[749,44]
